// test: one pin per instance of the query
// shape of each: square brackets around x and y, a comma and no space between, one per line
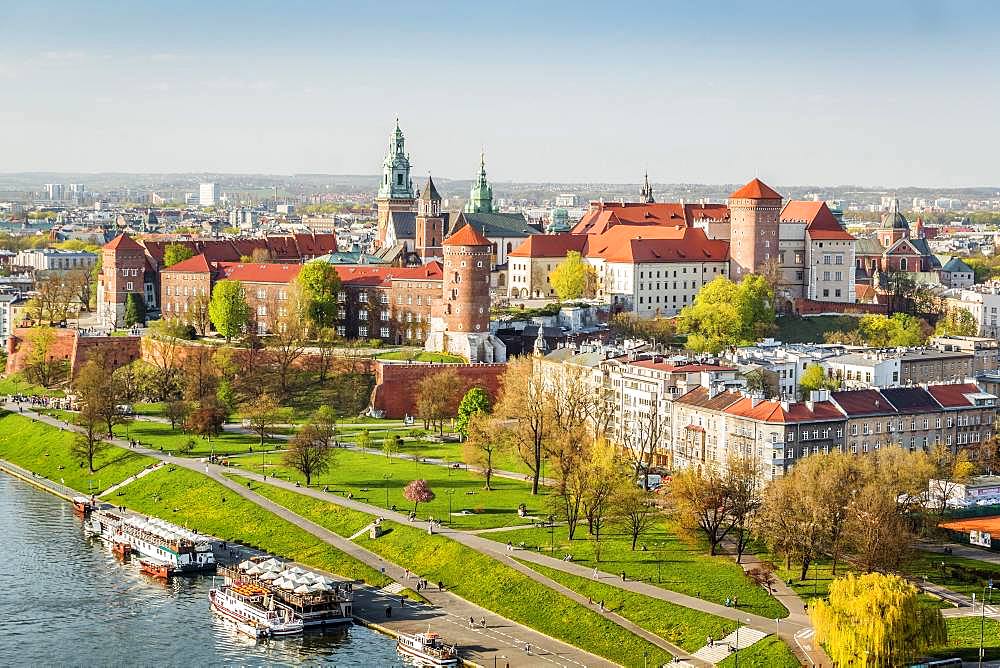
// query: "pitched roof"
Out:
[953,396]
[604,215]
[699,397]
[635,244]
[550,245]
[775,411]
[680,368]
[259,273]
[368,275]
[756,189]
[123,242]
[197,264]
[868,246]
[956,264]
[404,224]
[497,224]
[429,192]
[862,402]
[820,221]
[910,399]
[467,235]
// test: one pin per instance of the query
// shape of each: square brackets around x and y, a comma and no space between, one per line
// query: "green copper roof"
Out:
[481,195]
[396,182]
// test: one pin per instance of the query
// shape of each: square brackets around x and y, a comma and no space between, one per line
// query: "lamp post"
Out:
[982,622]
[386,476]
[645,657]
[736,652]
[495,657]
[552,535]
[450,492]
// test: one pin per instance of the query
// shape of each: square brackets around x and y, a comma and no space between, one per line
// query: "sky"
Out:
[875,93]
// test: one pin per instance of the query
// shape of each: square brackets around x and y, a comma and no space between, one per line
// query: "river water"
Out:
[65,600]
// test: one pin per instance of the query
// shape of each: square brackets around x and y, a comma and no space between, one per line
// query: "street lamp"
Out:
[495,657]
[450,492]
[552,535]
[982,622]
[736,652]
[386,476]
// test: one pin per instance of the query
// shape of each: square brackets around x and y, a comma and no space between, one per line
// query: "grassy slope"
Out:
[963,639]
[159,435]
[195,501]
[46,451]
[481,580]
[682,626]
[792,329]
[683,567]
[362,475]
[419,356]
[16,384]
[770,652]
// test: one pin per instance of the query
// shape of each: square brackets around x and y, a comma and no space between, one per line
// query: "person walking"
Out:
[472,623]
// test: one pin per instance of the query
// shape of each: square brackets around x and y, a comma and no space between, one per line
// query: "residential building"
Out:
[957,274]
[55,192]
[53,259]
[930,365]
[985,351]
[983,302]
[208,194]
[871,368]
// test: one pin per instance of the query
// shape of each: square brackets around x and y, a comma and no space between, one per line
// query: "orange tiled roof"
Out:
[636,244]
[123,242]
[774,411]
[259,273]
[602,216]
[197,264]
[819,220]
[467,235]
[550,245]
[756,189]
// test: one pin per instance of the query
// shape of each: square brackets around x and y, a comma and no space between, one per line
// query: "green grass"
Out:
[16,384]
[481,580]
[957,574]
[193,500]
[158,435]
[793,329]
[668,561]
[963,639]
[682,626]
[769,652]
[420,356]
[362,475]
[46,451]
[156,409]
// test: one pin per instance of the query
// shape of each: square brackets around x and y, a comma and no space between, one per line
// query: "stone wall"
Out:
[72,348]
[810,307]
[395,390]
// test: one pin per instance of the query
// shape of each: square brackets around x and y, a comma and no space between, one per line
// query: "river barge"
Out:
[255,606]
[428,648]
[181,550]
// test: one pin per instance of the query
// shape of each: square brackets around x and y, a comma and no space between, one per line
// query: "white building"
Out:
[48,259]
[983,302]
[208,194]
[862,370]
[55,192]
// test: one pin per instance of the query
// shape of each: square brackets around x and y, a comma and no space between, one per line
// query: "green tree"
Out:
[135,310]
[228,309]
[175,253]
[476,400]
[726,314]
[875,620]
[957,322]
[319,285]
[390,446]
[363,440]
[814,378]
[573,278]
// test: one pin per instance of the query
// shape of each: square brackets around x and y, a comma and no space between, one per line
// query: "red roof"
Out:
[699,397]
[550,245]
[467,235]
[197,264]
[636,244]
[819,220]
[123,242]
[862,402]
[359,275]
[953,396]
[259,273]
[756,189]
[680,368]
[602,216]
[774,411]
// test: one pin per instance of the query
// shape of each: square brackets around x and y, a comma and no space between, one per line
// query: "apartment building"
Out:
[985,351]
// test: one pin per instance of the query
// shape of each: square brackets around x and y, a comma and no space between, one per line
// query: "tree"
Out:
[390,446]
[641,437]
[177,412]
[363,440]
[201,378]
[206,419]
[957,322]
[198,313]
[761,382]
[605,476]
[319,286]
[877,537]
[87,443]
[166,354]
[726,314]
[286,341]
[475,401]
[135,310]
[763,575]
[951,469]
[484,438]
[309,452]
[875,620]
[418,491]
[54,296]
[573,278]
[791,519]
[814,378]
[262,413]
[438,397]
[633,510]
[175,253]
[523,402]
[701,504]
[228,309]
[40,366]
[742,480]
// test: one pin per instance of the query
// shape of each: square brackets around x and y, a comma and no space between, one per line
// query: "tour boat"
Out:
[315,599]
[428,648]
[182,550]
[121,548]
[243,623]
[255,606]
[83,505]
[157,569]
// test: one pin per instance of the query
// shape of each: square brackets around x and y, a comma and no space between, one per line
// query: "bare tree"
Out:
[633,510]
[486,437]
[641,437]
[438,396]
[287,339]
[743,480]
[701,503]
[309,452]
[262,413]
[523,402]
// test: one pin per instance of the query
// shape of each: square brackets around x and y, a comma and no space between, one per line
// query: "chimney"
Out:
[754,401]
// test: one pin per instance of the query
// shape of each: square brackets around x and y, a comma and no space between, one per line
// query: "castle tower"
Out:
[123,271]
[460,322]
[481,195]
[429,223]
[395,190]
[647,192]
[754,211]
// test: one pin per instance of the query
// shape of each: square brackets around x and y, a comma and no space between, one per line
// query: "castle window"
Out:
[128,286]
[384,332]
[399,179]
[458,279]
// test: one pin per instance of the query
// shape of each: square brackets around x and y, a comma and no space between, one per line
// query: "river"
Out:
[65,600]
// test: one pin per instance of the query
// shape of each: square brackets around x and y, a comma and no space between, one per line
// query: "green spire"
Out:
[396,182]
[481,195]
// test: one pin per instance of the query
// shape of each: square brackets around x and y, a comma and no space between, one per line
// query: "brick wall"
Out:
[810,307]
[396,383]
[70,347]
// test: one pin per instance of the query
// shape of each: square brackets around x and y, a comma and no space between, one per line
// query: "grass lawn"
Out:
[16,384]
[363,476]
[668,561]
[960,574]
[193,500]
[682,626]
[963,639]
[158,435]
[155,409]
[793,329]
[770,652]
[481,580]
[46,451]
[420,356]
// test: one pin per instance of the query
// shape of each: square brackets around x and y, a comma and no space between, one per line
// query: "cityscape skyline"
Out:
[556,94]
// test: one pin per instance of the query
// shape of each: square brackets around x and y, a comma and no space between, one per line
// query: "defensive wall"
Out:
[395,392]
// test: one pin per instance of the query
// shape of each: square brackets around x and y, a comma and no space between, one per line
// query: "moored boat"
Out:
[184,551]
[428,648]
[315,599]
[156,569]
[243,623]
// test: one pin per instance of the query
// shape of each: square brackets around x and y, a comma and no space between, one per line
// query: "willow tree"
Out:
[875,620]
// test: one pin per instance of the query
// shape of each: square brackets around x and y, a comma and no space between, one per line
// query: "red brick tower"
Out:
[429,223]
[754,212]
[466,302]
[123,270]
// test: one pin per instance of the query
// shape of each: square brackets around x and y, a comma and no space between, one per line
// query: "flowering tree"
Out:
[418,491]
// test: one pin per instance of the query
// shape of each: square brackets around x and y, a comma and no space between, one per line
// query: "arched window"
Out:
[458,278]
[509,246]
[902,264]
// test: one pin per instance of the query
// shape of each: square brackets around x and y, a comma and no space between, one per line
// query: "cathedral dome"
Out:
[893,219]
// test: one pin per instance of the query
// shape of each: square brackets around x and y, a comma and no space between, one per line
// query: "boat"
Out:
[428,648]
[244,624]
[314,598]
[156,569]
[83,505]
[182,550]
[250,604]
[121,548]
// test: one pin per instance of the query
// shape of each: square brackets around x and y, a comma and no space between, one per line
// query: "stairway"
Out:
[722,648]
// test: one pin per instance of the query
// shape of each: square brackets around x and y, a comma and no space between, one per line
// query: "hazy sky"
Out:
[874,93]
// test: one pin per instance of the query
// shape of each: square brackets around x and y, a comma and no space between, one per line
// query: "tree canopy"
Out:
[175,253]
[228,309]
[726,314]
[957,322]
[135,310]
[573,278]
[475,401]
[319,285]
[814,378]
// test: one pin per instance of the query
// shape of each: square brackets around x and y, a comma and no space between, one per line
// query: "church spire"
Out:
[396,182]
[481,195]
[647,191]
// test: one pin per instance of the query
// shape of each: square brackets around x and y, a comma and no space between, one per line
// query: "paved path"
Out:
[446,611]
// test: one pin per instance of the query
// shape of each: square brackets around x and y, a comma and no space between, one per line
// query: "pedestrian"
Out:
[602,606]
[440,586]
[709,641]
[402,601]
[736,602]
[527,647]
[623,576]
[595,573]
[484,623]
[590,600]
[472,623]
